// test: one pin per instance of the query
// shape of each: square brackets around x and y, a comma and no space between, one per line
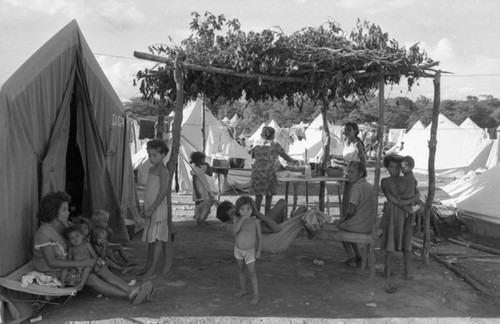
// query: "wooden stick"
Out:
[464,275]
[475,246]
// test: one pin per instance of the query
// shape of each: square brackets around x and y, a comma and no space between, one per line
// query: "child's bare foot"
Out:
[254,300]
[127,270]
[140,271]
[240,293]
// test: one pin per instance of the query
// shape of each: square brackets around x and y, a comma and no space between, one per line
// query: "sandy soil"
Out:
[203,280]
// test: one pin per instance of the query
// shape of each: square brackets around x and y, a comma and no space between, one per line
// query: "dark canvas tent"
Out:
[62,128]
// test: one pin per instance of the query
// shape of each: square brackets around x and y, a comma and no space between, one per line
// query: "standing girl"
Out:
[263,181]
[396,220]
[156,231]
[247,245]
[202,193]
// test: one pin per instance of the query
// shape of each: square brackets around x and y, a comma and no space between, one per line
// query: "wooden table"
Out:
[297,180]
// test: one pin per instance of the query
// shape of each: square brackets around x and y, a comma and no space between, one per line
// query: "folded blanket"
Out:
[40,278]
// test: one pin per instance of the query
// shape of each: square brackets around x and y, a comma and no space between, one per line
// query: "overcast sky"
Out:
[462,35]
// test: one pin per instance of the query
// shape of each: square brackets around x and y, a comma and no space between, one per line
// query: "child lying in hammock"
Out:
[278,234]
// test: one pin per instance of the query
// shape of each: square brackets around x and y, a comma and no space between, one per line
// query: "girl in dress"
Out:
[397,221]
[156,231]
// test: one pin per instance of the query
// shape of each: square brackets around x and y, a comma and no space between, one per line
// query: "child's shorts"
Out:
[247,255]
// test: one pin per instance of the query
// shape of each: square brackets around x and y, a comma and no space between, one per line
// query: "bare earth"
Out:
[294,288]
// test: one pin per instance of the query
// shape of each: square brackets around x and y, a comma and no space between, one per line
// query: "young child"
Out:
[202,193]
[156,231]
[409,195]
[397,220]
[248,244]
[101,246]
[79,249]
[100,219]
[85,225]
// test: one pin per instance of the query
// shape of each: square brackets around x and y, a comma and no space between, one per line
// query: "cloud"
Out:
[117,15]
[370,7]
[121,74]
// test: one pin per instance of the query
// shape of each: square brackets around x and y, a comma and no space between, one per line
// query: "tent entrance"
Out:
[75,172]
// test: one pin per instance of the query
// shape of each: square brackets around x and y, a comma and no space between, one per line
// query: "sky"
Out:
[461,34]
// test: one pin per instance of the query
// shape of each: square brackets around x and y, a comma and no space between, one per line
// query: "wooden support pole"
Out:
[176,138]
[431,170]
[326,153]
[380,132]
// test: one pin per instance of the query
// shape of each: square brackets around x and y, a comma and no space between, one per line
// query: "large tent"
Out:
[457,148]
[62,128]
[477,200]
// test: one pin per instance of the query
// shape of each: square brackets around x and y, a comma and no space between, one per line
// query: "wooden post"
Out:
[431,169]
[203,128]
[176,136]
[380,130]
[326,154]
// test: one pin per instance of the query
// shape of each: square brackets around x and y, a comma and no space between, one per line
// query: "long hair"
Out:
[245,200]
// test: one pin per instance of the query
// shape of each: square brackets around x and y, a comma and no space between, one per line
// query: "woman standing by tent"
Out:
[263,181]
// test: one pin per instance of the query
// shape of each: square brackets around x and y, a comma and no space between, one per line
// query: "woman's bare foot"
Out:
[254,300]
[240,293]
[140,271]
[148,276]
[134,292]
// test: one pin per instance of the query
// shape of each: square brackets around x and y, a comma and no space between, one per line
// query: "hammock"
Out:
[277,242]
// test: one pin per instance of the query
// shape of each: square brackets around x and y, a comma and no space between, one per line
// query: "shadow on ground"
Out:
[203,280]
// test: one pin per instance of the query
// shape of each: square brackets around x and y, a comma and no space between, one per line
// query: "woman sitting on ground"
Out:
[359,215]
[51,250]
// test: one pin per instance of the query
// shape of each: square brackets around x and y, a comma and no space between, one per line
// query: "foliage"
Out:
[318,62]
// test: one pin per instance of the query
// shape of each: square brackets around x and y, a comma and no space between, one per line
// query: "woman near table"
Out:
[354,150]
[51,250]
[359,214]
[263,181]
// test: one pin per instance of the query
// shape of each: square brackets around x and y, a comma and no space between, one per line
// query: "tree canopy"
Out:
[223,61]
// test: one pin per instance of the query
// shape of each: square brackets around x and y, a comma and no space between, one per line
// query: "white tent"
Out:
[418,125]
[274,125]
[255,136]
[477,199]
[470,124]
[218,141]
[314,142]
[234,121]
[456,149]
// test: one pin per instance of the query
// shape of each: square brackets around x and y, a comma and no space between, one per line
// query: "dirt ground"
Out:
[294,286]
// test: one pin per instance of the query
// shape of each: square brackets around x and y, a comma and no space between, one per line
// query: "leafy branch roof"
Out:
[321,62]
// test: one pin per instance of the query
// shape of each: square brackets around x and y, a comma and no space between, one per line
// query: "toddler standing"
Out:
[202,193]
[248,244]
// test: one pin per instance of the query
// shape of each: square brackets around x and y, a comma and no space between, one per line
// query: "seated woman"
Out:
[50,252]
[359,215]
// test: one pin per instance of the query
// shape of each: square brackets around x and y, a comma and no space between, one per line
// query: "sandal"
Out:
[146,289]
